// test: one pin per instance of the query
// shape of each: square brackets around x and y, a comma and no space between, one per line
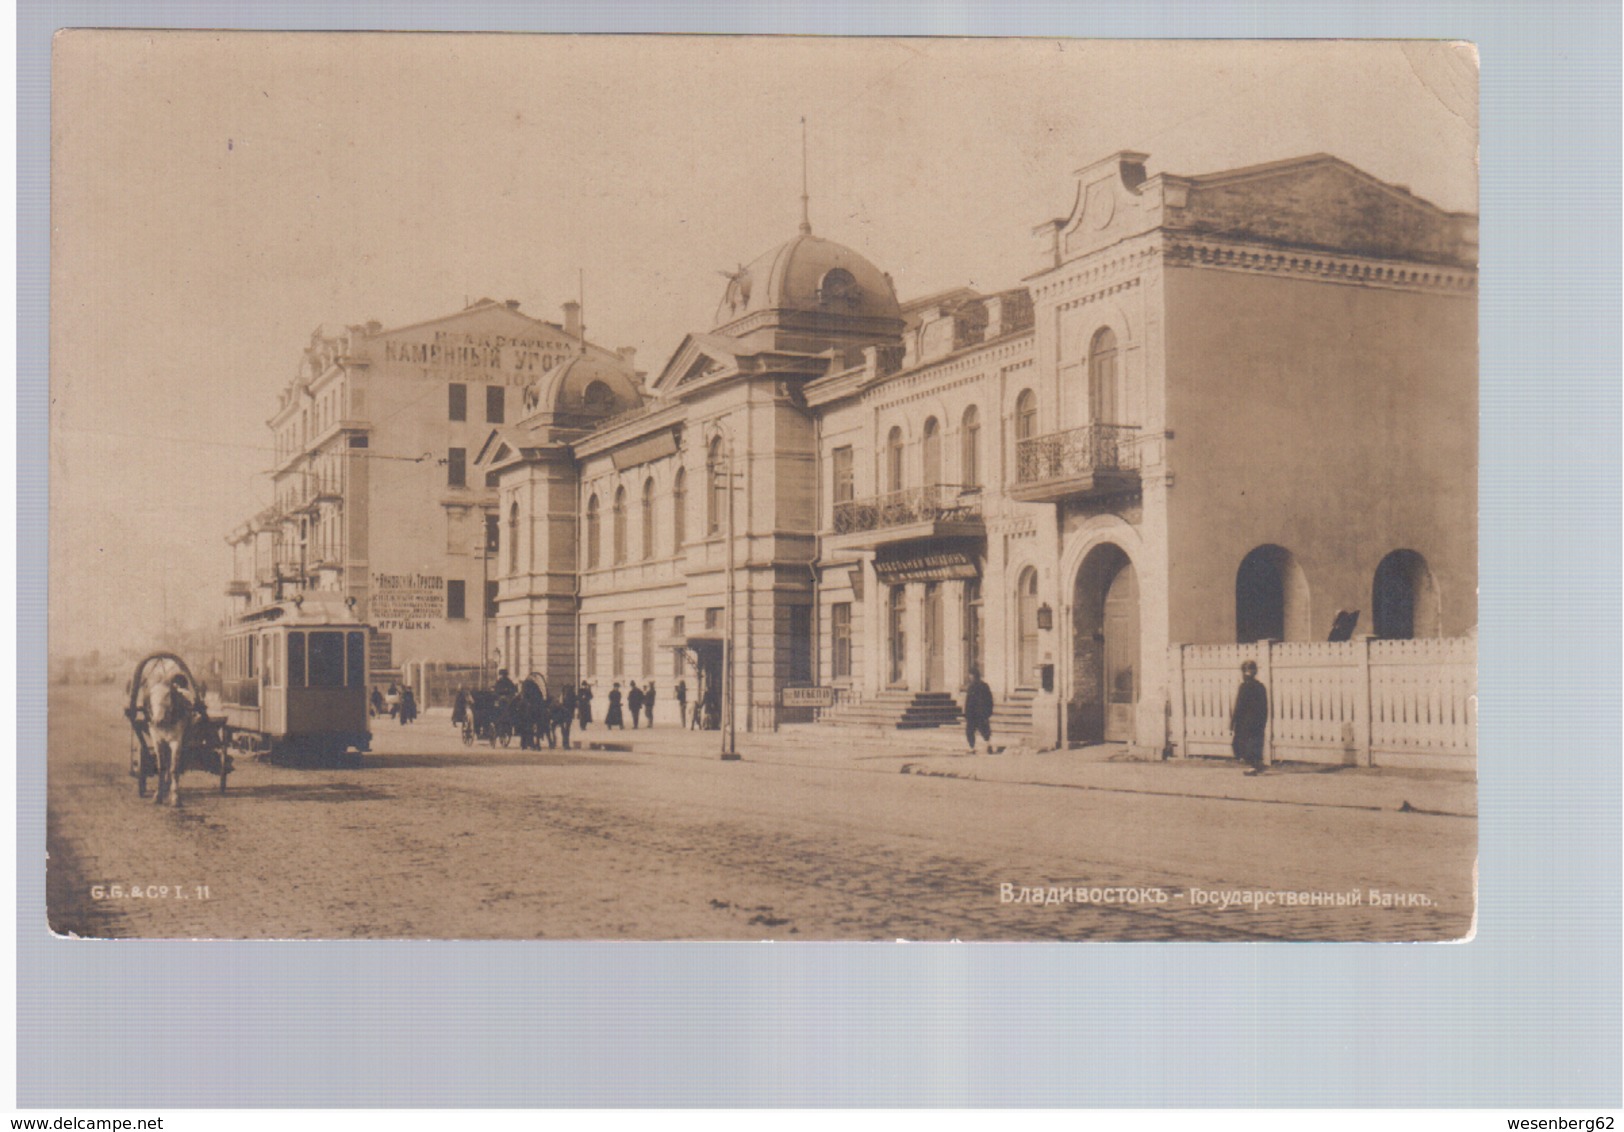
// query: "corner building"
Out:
[375,493]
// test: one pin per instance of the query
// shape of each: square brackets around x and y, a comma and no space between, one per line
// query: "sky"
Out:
[217,196]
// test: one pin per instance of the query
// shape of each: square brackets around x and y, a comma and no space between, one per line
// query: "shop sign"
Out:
[808,697]
[932,566]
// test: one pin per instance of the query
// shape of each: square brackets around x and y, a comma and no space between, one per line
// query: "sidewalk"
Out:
[1102,768]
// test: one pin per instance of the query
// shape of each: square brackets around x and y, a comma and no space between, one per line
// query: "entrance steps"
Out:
[1012,719]
[895,710]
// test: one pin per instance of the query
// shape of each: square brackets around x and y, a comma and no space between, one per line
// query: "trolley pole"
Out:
[484,611]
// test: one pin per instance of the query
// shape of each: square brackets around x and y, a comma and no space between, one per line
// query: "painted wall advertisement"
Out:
[407,601]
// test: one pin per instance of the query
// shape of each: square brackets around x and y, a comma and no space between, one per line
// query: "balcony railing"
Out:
[1077,451]
[935,504]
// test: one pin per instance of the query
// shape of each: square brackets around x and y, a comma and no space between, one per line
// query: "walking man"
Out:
[1250,719]
[648,703]
[682,704]
[978,711]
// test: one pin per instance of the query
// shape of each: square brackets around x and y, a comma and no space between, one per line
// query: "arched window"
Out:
[599,399]
[1271,598]
[648,518]
[970,449]
[593,540]
[513,539]
[679,510]
[620,525]
[1026,416]
[893,460]
[1026,619]
[716,506]
[932,453]
[1102,377]
[1404,599]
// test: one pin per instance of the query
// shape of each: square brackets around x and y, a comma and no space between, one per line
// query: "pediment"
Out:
[700,358]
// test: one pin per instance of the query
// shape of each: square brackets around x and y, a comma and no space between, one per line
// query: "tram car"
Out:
[295,680]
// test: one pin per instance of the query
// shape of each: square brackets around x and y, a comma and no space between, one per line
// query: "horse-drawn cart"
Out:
[161,677]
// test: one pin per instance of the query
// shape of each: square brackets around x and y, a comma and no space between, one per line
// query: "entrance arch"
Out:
[1105,648]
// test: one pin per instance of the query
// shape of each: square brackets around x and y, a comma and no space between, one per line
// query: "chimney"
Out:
[572,319]
[628,354]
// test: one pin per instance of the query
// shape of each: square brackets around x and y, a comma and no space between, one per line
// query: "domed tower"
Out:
[808,295]
[581,392]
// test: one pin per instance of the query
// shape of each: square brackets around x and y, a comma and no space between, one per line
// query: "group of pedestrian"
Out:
[397,703]
[639,700]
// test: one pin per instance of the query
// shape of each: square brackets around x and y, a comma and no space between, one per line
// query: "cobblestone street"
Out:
[662,840]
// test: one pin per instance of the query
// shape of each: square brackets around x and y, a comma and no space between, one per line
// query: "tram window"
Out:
[296,660]
[252,671]
[267,647]
[327,660]
[357,677]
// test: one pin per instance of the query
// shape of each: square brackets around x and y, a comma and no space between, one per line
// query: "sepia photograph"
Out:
[648,488]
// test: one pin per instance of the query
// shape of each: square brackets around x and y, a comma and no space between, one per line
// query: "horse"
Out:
[172,705]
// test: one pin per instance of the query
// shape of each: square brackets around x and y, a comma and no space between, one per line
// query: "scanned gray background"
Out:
[1528,1014]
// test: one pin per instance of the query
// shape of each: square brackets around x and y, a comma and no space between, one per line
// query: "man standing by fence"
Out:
[1250,719]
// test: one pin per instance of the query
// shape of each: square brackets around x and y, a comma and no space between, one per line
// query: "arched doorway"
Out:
[1026,621]
[1404,598]
[1271,598]
[1105,649]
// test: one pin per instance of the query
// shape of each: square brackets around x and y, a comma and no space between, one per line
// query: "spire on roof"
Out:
[806,219]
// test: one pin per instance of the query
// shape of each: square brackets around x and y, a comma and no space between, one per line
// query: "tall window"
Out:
[593,532]
[970,445]
[492,589]
[591,651]
[456,467]
[840,640]
[648,518]
[840,461]
[495,404]
[679,510]
[493,533]
[1102,377]
[513,539]
[893,460]
[647,668]
[458,409]
[617,648]
[898,633]
[933,452]
[716,466]
[679,655]
[620,525]
[1026,415]
[456,599]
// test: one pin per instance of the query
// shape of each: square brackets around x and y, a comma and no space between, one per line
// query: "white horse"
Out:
[171,704]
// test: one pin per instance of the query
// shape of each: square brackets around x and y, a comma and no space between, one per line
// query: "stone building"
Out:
[375,493]
[1222,408]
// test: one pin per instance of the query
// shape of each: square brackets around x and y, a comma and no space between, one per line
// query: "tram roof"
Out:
[303,610]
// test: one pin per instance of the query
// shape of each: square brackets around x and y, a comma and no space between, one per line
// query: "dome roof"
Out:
[809,273]
[593,384]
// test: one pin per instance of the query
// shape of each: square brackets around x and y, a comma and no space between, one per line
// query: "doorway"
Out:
[1026,651]
[935,659]
[1104,694]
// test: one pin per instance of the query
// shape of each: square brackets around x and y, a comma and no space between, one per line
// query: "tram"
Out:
[295,680]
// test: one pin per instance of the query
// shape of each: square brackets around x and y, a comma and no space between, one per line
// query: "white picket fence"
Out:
[1361,703]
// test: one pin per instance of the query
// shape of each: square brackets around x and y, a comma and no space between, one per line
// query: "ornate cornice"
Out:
[1302,263]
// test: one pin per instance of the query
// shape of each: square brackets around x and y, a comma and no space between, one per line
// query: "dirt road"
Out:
[434,840]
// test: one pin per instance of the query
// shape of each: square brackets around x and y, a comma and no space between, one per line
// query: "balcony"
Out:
[910,515]
[1091,462]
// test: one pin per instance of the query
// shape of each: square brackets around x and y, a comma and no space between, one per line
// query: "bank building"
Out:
[1230,414]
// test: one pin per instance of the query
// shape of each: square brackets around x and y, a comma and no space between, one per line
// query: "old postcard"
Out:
[530,487]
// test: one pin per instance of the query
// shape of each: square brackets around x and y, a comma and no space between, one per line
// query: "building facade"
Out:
[1223,408]
[375,493]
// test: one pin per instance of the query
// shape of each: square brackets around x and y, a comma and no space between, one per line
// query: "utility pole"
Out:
[730,750]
